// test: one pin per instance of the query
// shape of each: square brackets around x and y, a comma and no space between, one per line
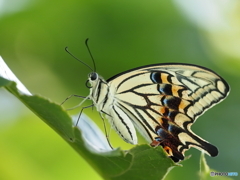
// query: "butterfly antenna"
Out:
[94,65]
[66,49]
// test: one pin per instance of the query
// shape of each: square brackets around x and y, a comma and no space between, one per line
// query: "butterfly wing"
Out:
[162,101]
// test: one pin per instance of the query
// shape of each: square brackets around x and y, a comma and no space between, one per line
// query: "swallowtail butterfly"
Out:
[161,101]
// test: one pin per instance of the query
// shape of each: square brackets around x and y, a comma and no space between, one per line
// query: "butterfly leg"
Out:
[72,95]
[79,116]
[105,129]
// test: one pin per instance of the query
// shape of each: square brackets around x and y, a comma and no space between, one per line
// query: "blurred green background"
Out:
[123,35]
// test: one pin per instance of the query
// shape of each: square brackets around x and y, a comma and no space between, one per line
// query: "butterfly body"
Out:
[161,101]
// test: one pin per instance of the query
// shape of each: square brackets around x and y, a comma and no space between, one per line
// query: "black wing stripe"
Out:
[202,144]
[126,79]
[134,88]
[123,122]
[144,124]
[136,109]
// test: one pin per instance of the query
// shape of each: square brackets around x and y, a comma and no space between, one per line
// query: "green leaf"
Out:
[206,173]
[4,82]
[140,162]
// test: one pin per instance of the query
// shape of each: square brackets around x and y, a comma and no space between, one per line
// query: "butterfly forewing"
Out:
[161,101]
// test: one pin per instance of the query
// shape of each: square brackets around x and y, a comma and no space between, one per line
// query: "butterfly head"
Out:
[93,78]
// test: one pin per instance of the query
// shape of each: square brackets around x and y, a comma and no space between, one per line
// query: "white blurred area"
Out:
[219,21]
[9,103]
[13,6]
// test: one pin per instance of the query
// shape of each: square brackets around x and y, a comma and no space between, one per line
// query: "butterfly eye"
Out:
[93,76]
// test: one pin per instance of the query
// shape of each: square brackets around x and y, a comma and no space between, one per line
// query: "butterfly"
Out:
[161,101]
